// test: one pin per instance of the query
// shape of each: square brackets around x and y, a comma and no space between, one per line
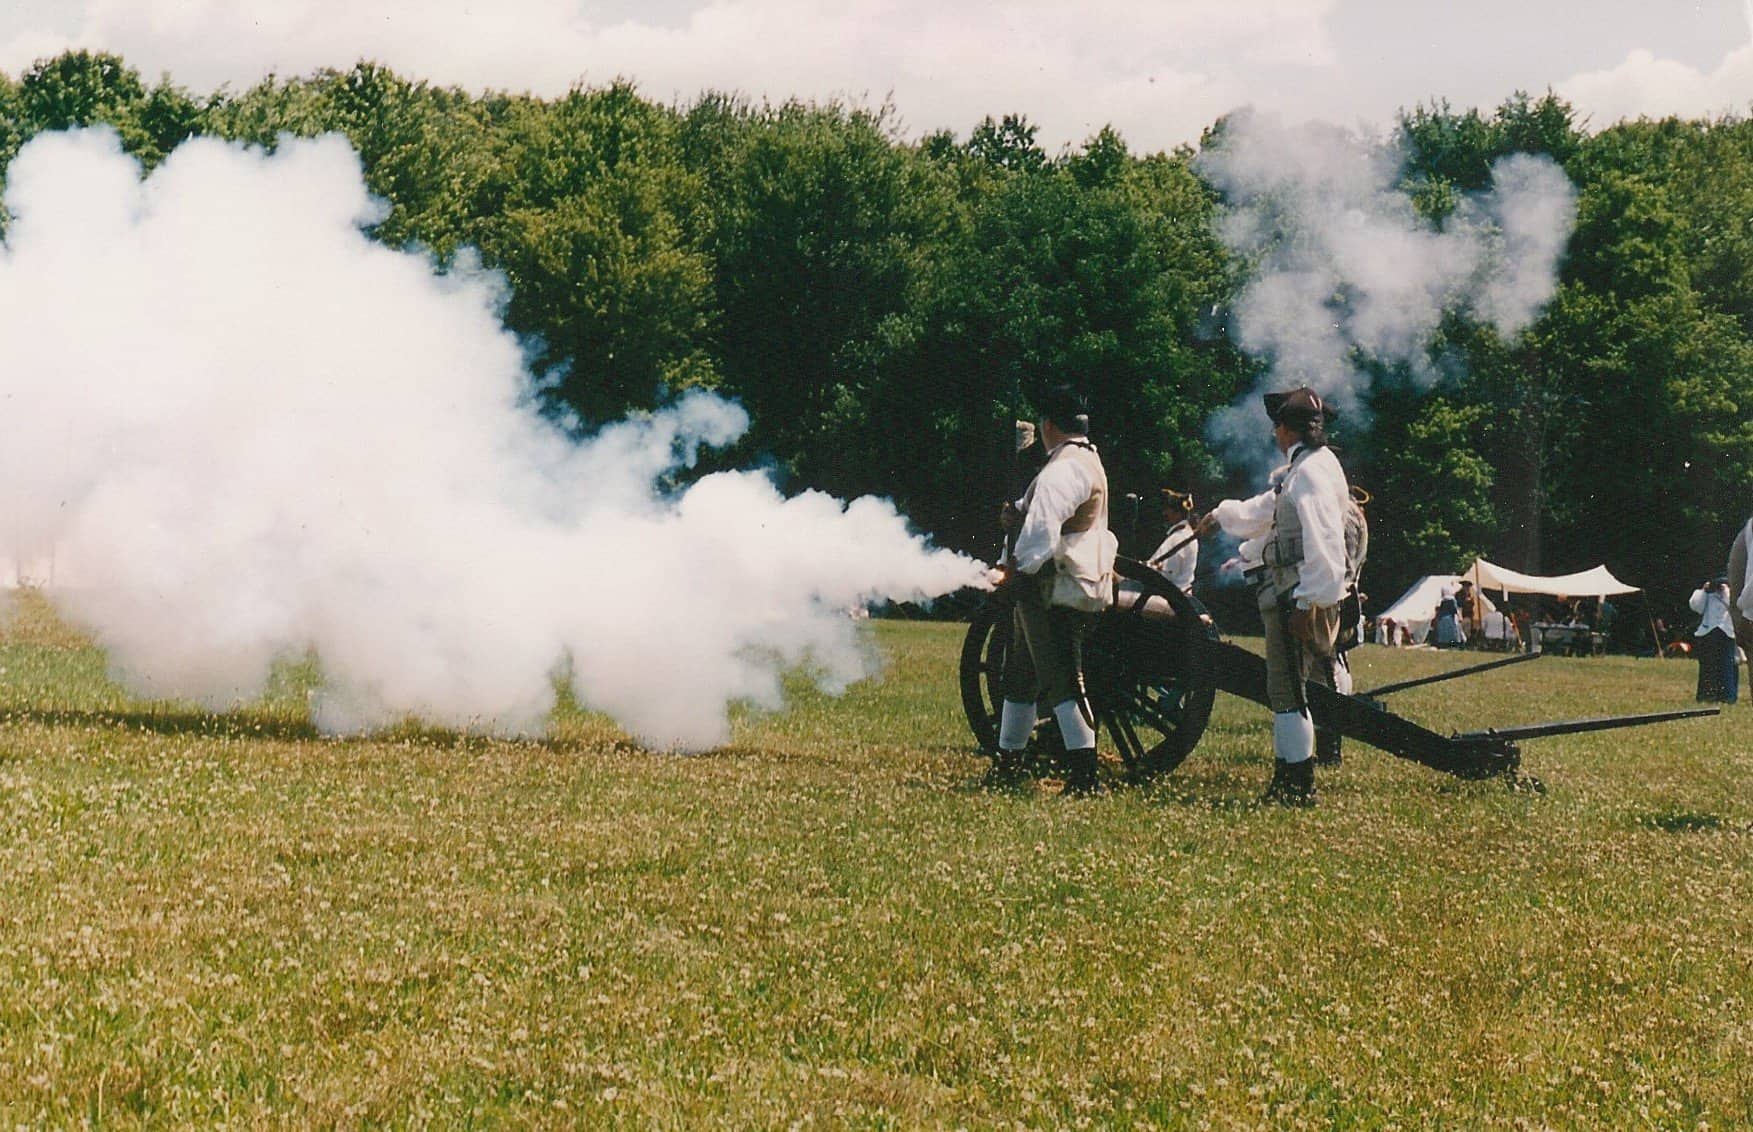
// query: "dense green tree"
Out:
[79,88]
[587,208]
[1008,144]
[1054,283]
[815,214]
[83,88]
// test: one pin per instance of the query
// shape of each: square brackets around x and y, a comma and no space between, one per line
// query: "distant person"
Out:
[1713,643]
[1064,554]
[1465,608]
[1499,631]
[1448,618]
[1659,632]
[1304,573]
[1524,626]
[1178,557]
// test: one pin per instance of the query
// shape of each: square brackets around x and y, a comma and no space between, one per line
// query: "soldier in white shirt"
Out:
[1064,554]
[1178,557]
[1303,576]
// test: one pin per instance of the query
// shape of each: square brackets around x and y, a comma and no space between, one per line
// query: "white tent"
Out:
[1598,582]
[1416,608]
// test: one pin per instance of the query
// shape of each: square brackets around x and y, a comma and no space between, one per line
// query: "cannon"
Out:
[1154,663]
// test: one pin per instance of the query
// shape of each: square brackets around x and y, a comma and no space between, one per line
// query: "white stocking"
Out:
[1016,722]
[1073,728]
[1293,736]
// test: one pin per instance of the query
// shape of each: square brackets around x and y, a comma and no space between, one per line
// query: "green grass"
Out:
[230,919]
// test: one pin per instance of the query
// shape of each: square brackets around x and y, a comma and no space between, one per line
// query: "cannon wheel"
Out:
[1151,683]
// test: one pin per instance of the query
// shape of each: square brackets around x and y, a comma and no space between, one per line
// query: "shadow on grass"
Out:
[1682,821]
[247,724]
[169,721]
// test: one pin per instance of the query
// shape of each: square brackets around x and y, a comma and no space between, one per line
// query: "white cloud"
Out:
[1159,71]
[1647,86]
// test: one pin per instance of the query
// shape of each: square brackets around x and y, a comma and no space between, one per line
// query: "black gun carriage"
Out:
[1154,663]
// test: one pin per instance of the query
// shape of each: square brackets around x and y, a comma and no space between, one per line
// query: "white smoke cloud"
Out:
[249,432]
[1344,271]
[1644,85]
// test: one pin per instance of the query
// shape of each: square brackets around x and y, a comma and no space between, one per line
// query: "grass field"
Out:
[228,919]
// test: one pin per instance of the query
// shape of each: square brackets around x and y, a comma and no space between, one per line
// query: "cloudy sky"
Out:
[1159,70]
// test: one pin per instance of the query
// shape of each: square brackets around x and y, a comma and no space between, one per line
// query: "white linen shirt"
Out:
[1179,568]
[1714,612]
[1059,489]
[1316,485]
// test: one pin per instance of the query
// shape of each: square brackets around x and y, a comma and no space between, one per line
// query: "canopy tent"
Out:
[1598,582]
[1416,608]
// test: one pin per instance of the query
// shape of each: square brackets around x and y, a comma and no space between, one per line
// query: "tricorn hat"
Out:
[1067,409]
[1181,499]
[1300,406]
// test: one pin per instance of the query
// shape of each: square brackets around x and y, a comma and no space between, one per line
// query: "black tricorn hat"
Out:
[1300,405]
[1067,409]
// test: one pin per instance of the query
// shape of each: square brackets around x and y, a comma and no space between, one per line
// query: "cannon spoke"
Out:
[1125,738]
[1139,703]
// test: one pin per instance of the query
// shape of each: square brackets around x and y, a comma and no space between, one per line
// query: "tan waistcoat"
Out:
[1084,559]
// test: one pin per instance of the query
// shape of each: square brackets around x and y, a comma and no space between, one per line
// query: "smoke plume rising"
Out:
[1344,270]
[249,432]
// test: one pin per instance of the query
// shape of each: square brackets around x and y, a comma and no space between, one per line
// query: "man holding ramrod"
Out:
[1063,557]
[1302,577]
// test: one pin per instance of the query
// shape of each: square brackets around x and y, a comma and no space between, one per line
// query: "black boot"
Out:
[1327,744]
[1080,773]
[1293,784]
[1007,770]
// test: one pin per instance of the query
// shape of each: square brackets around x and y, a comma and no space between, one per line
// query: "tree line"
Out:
[885,306]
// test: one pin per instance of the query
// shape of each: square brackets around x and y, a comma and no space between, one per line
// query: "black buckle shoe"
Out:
[1081,780]
[1293,784]
[1008,771]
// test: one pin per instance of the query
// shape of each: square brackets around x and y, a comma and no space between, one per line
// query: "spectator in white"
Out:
[1713,643]
[1499,629]
[1178,557]
[1303,575]
[1064,559]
